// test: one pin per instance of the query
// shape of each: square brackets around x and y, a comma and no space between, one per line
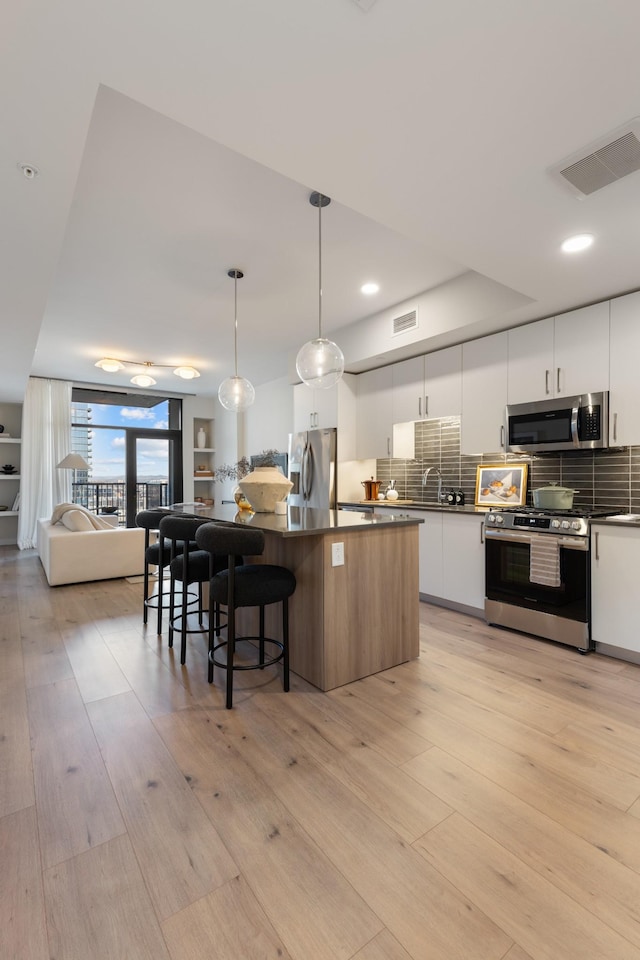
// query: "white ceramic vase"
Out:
[265,487]
[202,439]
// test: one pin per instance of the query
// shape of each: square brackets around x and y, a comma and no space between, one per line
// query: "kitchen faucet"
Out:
[425,476]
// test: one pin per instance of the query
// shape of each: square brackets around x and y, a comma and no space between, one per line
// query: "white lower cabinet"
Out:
[615,562]
[451,554]
[463,559]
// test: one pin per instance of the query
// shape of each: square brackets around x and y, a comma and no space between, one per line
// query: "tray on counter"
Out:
[387,503]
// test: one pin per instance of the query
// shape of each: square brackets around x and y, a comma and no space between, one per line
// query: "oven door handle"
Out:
[507,535]
[567,543]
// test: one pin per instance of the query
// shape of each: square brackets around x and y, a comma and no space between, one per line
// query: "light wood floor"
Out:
[481,802]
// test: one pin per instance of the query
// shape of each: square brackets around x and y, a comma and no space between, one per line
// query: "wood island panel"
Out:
[350,621]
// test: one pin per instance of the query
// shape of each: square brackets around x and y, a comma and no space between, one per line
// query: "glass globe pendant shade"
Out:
[320,363]
[236,394]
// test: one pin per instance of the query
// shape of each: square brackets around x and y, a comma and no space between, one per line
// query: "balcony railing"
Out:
[102,497]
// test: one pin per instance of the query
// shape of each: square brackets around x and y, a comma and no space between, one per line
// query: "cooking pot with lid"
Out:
[553,497]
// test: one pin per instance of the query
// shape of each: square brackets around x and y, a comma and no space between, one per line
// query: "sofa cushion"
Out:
[76,520]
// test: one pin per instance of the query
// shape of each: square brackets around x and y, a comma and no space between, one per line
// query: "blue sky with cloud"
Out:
[108,445]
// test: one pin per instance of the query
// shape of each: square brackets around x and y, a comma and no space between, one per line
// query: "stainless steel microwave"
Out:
[566,423]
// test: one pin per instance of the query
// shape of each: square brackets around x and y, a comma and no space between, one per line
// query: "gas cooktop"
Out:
[586,512]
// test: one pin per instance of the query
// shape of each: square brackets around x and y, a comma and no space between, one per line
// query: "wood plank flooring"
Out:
[480,803]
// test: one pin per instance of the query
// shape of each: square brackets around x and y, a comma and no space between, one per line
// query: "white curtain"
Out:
[46,439]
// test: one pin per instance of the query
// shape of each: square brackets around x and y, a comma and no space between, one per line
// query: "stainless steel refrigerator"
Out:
[313,469]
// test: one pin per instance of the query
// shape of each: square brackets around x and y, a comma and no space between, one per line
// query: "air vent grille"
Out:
[603,163]
[409,321]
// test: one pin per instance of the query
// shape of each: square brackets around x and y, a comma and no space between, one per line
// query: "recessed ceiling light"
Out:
[575,244]
[369,288]
[29,170]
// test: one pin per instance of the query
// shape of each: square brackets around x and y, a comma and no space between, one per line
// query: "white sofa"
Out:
[76,556]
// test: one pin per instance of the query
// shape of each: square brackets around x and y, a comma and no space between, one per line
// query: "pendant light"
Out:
[235,393]
[320,362]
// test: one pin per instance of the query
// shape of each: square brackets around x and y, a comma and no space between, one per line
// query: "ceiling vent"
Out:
[409,321]
[364,4]
[609,159]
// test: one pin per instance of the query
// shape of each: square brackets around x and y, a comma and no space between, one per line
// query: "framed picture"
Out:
[501,484]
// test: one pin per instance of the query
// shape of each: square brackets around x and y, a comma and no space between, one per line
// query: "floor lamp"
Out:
[73,461]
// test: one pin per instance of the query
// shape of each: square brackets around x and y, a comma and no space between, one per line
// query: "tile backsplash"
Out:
[607,479]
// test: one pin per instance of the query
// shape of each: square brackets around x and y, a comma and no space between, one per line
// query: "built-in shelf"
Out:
[11,419]
[204,457]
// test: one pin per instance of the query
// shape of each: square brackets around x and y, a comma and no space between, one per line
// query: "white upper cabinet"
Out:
[374,419]
[624,398]
[408,390]
[531,362]
[428,387]
[443,383]
[336,407]
[560,356]
[581,351]
[304,408]
[484,394]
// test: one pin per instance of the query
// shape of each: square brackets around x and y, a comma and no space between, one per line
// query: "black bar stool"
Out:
[158,555]
[247,585]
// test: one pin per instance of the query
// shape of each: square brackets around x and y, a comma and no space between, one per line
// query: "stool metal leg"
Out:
[285,642]
[172,597]
[214,625]
[183,623]
[231,649]
[261,644]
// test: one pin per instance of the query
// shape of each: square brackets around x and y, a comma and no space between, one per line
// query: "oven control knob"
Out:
[565,524]
[575,524]
[555,523]
[491,518]
[499,518]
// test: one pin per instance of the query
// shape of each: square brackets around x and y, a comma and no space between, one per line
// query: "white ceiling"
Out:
[177,141]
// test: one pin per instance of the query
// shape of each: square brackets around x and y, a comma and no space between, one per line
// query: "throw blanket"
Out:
[95,522]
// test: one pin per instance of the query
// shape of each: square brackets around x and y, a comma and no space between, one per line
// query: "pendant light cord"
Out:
[235,315]
[321,198]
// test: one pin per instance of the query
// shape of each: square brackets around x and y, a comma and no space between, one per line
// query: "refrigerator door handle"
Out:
[308,473]
[305,470]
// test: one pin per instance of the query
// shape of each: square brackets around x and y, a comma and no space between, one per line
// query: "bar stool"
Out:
[247,585]
[158,555]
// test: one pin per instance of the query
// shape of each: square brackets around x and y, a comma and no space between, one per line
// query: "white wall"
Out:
[269,421]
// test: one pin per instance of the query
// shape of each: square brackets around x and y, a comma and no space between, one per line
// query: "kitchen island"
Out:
[346,621]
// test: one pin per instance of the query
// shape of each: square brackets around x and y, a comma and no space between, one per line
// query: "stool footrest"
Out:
[249,666]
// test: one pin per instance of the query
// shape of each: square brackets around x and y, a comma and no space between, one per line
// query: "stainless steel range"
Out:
[538,573]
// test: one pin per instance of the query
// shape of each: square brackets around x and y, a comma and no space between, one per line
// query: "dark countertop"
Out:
[631,520]
[298,521]
[413,505]
[620,520]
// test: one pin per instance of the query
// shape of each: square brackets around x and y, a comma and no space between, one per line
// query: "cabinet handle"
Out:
[546,382]
[615,428]
[419,406]
[389,447]
[597,545]
[426,405]
[558,381]
[502,436]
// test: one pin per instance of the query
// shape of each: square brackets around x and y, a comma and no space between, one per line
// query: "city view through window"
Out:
[99,434]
